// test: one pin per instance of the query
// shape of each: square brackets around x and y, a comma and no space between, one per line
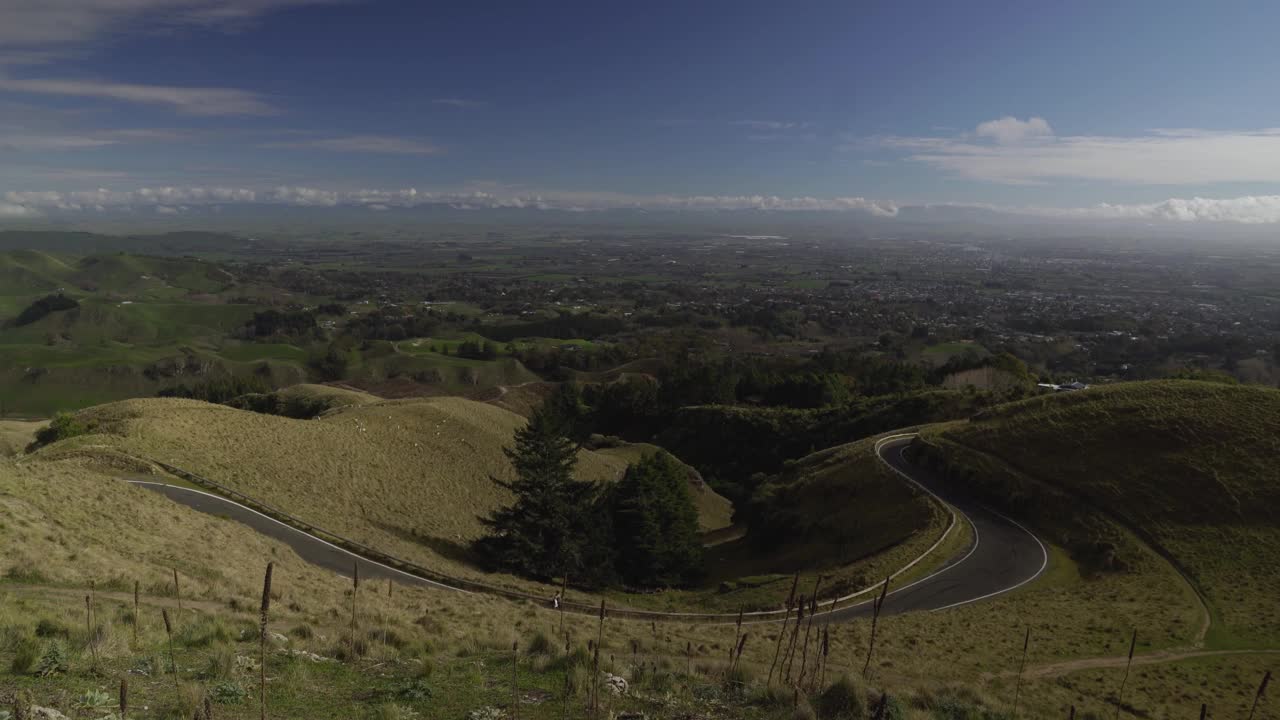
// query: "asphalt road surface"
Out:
[309,548]
[1002,557]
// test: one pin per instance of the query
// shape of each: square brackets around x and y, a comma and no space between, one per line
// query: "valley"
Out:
[816,431]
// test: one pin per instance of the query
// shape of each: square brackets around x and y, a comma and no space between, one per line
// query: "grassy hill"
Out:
[66,520]
[334,397]
[32,272]
[841,504]
[1190,466]
[134,312]
[838,513]
[412,477]
[407,476]
[16,435]
[421,653]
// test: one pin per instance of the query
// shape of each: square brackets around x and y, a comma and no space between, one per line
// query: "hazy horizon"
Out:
[1142,112]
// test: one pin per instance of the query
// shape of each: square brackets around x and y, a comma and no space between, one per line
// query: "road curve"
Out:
[1003,555]
[308,547]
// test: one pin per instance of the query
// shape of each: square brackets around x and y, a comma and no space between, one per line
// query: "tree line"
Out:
[641,531]
[43,307]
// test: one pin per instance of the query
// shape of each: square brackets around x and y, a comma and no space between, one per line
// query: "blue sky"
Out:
[1131,109]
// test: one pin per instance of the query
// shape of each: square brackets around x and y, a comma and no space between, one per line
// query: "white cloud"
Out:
[186,100]
[1247,210]
[43,23]
[1009,130]
[103,198]
[16,138]
[11,210]
[1163,157]
[1250,209]
[26,142]
[411,197]
[364,144]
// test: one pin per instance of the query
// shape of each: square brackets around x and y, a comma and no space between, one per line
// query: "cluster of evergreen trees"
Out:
[219,390]
[44,306]
[641,531]
[274,323]
[477,350]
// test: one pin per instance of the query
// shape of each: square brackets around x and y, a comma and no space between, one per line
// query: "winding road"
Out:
[1002,556]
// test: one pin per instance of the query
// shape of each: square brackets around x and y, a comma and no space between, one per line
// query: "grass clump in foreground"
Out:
[1189,466]
[442,671]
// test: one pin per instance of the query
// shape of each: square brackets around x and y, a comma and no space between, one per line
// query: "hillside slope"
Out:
[410,477]
[1191,466]
[69,521]
[840,514]
[138,323]
[16,435]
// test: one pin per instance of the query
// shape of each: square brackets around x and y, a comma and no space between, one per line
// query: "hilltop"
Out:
[1189,466]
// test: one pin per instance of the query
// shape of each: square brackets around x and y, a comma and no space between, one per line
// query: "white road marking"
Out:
[1044,564]
[759,613]
[302,533]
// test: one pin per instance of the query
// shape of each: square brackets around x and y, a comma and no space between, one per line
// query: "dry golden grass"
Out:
[67,522]
[1191,464]
[522,399]
[335,396]
[1226,683]
[410,477]
[73,522]
[15,435]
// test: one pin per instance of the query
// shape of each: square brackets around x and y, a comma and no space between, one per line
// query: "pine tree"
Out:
[567,413]
[655,524]
[546,531]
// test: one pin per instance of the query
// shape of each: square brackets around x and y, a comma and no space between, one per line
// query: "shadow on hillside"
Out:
[444,547]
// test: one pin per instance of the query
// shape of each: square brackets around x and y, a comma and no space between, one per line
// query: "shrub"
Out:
[348,651]
[47,628]
[416,691]
[25,653]
[540,644]
[771,696]
[229,692]
[190,699]
[95,702]
[738,679]
[578,680]
[387,637]
[63,426]
[54,659]
[845,699]
[203,633]
[222,662]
